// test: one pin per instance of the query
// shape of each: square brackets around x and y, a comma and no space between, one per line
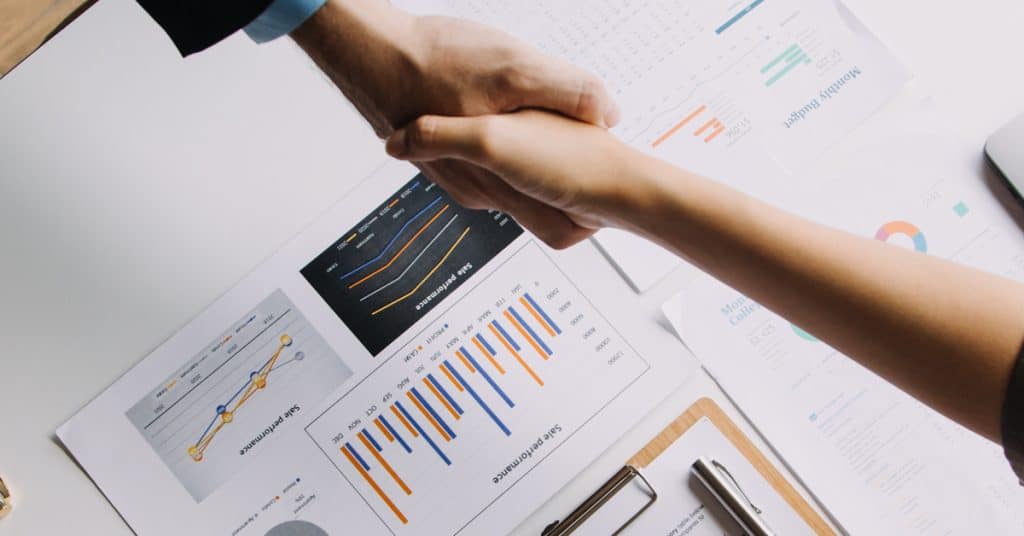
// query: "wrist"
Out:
[369,49]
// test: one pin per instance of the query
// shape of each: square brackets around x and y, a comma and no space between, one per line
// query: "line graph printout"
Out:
[404,258]
[478,399]
[226,403]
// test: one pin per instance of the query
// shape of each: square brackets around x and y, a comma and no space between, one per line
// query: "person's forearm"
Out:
[947,334]
[362,45]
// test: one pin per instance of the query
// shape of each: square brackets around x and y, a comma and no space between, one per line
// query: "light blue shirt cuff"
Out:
[280,18]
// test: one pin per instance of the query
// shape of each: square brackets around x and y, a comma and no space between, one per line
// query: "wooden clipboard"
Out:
[703,408]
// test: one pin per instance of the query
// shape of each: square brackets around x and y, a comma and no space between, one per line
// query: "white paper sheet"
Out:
[742,92]
[685,507]
[403,366]
[915,471]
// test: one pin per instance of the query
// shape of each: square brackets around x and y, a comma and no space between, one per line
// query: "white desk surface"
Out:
[120,219]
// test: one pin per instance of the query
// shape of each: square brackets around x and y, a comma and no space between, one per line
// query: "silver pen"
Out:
[716,478]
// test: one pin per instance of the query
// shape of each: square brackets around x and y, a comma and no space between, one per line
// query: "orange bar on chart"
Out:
[526,335]
[536,316]
[383,463]
[383,430]
[404,422]
[373,484]
[488,355]
[678,126]
[718,130]
[704,128]
[452,378]
[441,399]
[516,355]
[429,417]
[468,365]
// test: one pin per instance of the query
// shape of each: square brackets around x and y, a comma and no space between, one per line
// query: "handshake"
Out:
[450,95]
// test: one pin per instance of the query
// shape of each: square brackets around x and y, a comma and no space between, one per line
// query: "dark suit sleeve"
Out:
[194,25]
[1013,419]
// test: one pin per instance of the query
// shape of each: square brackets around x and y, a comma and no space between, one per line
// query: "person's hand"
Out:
[395,67]
[561,164]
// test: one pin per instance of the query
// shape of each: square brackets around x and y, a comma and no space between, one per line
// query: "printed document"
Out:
[879,459]
[404,366]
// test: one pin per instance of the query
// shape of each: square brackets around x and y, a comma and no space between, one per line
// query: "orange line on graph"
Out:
[383,430]
[536,316]
[706,126]
[516,355]
[488,354]
[402,250]
[256,383]
[373,484]
[526,336]
[430,273]
[405,422]
[441,399]
[465,361]
[678,126]
[393,203]
[428,416]
[720,129]
[452,378]
[387,467]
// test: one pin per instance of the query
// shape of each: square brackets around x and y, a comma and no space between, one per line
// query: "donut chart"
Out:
[904,228]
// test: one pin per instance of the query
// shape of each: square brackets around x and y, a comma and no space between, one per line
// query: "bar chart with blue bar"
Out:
[524,360]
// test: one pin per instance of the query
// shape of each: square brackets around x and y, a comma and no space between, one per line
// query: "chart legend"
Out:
[479,397]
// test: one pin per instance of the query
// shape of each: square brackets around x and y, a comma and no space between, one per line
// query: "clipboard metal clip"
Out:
[605,493]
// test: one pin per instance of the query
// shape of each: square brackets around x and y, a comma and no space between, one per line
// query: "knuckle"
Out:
[424,132]
[588,98]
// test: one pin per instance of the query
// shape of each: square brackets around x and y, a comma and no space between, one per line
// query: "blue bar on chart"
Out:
[430,409]
[394,433]
[487,345]
[505,334]
[543,313]
[736,18]
[419,429]
[371,439]
[437,385]
[487,377]
[529,330]
[357,456]
[483,405]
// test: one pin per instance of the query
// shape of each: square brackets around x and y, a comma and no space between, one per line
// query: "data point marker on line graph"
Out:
[220,401]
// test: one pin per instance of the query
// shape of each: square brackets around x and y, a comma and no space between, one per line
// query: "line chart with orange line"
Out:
[403,258]
[208,420]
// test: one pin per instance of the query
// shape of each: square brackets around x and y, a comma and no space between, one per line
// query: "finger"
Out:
[434,137]
[551,225]
[460,180]
[559,86]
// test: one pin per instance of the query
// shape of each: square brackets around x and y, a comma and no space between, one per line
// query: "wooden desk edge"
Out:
[31,24]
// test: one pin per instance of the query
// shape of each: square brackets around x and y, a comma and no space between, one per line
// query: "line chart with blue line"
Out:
[403,259]
[208,419]
[498,380]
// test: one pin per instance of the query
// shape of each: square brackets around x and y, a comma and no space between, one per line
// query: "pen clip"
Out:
[736,485]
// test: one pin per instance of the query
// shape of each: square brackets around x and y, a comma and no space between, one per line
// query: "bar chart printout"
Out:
[405,258]
[480,397]
[203,419]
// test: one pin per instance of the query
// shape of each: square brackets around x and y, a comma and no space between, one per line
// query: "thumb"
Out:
[556,85]
[433,137]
